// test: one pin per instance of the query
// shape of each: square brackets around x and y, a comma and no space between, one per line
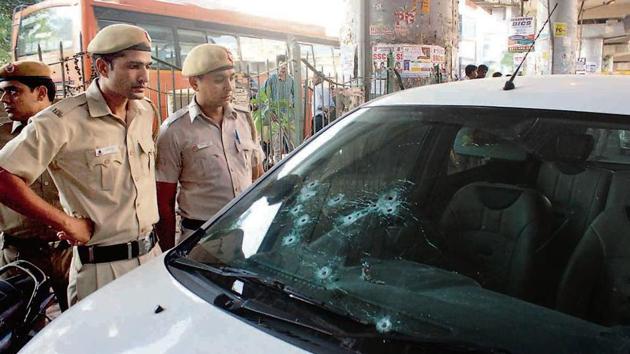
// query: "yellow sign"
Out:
[560,29]
[426,6]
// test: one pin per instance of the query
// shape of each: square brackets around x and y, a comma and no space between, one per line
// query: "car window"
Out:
[375,218]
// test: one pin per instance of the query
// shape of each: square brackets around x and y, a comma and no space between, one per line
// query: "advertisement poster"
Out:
[411,60]
[522,34]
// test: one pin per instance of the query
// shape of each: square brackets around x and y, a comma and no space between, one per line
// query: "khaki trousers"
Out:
[87,278]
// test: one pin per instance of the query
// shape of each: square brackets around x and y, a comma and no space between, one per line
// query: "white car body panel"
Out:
[582,93]
[120,318]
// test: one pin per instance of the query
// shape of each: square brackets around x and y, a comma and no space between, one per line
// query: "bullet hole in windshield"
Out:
[290,239]
[324,273]
[297,210]
[308,191]
[384,324]
[336,200]
[303,220]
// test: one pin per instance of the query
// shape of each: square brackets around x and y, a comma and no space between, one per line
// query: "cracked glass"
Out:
[431,222]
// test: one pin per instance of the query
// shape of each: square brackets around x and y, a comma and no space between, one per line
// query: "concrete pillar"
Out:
[564,45]
[591,49]
[429,22]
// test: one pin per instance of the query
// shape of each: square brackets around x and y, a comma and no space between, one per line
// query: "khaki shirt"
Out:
[16,224]
[103,168]
[212,163]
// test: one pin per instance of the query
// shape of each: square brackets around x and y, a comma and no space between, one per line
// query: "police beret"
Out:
[24,69]
[119,37]
[207,58]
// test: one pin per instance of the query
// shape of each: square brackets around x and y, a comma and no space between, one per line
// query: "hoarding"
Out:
[522,34]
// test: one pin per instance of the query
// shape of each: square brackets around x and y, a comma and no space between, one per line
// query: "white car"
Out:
[443,219]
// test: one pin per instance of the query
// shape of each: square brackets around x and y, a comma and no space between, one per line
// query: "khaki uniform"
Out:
[29,240]
[212,163]
[104,171]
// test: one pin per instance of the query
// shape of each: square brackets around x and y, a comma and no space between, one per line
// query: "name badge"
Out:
[107,150]
[201,146]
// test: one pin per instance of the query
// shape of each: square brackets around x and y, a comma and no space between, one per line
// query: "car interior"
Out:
[551,229]
[541,215]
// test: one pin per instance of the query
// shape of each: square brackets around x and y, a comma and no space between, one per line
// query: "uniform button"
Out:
[137,204]
[46,183]
[107,162]
[136,179]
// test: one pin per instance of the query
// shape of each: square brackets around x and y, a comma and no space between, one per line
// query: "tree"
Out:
[6,24]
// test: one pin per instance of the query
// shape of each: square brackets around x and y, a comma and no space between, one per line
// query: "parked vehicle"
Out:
[443,219]
[25,296]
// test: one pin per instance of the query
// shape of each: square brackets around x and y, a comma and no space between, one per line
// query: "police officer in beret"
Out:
[99,150]
[26,88]
[209,147]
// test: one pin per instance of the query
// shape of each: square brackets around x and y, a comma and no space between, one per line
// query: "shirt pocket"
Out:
[147,156]
[207,158]
[104,169]
[246,149]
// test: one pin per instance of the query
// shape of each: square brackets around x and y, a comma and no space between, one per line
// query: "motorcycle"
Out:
[25,295]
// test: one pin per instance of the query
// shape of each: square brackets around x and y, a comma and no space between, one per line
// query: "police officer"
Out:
[99,151]
[210,147]
[26,89]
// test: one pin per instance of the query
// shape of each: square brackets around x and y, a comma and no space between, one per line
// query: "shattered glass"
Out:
[346,221]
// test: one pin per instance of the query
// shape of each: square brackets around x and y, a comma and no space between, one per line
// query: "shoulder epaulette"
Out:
[65,106]
[241,108]
[174,117]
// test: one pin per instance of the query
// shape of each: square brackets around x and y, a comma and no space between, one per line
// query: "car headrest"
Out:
[619,192]
[569,148]
[477,143]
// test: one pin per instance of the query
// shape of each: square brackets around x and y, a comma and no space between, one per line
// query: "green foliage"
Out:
[6,24]
[269,110]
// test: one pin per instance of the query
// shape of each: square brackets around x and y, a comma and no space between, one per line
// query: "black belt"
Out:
[192,224]
[31,244]
[119,252]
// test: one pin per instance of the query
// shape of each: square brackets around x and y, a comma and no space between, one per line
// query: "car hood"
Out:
[122,318]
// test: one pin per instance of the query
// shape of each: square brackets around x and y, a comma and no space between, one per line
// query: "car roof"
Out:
[582,93]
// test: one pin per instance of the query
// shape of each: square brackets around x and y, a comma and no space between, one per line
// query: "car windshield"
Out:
[485,224]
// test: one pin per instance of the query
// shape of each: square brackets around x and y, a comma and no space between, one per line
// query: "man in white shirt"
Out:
[322,103]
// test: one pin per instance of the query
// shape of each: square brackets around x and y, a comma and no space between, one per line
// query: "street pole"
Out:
[564,49]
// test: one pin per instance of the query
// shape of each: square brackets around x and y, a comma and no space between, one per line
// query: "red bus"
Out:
[58,31]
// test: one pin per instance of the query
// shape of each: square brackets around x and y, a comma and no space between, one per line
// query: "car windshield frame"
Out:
[512,124]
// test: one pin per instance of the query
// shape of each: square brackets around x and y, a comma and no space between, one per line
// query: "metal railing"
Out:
[169,91]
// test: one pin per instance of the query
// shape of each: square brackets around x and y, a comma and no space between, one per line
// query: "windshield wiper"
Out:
[224,271]
[361,333]
[245,275]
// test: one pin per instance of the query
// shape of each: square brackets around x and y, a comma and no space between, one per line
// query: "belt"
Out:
[192,224]
[118,252]
[31,244]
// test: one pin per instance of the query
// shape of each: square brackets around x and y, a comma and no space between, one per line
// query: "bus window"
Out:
[306,53]
[162,38]
[105,23]
[47,27]
[261,52]
[227,41]
[188,40]
[324,59]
